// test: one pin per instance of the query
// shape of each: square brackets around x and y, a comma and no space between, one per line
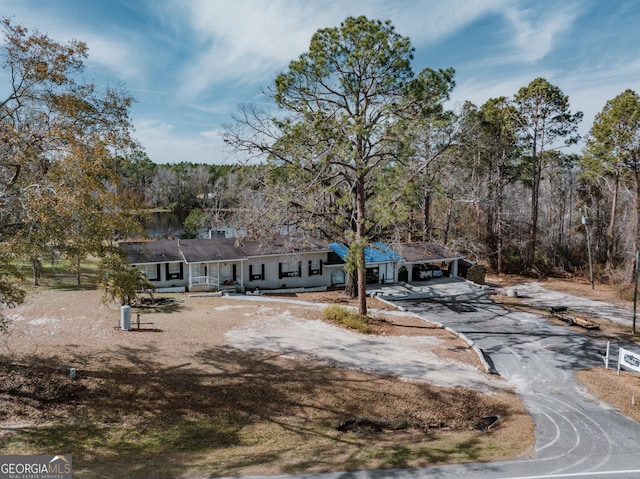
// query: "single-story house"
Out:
[285,262]
[213,266]
[231,263]
[192,264]
[278,262]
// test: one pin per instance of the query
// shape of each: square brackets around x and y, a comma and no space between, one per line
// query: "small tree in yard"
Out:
[11,294]
[120,281]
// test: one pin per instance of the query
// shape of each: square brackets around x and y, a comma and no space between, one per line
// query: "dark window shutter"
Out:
[299,269]
[262,273]
[158,271]
[279,270]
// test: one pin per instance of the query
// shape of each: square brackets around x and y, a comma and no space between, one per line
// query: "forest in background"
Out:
[357,147]
[474,195]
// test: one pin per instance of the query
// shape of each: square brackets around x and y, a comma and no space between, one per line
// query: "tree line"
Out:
[360,147]
[357,147]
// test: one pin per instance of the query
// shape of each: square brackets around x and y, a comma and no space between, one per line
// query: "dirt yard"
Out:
[181,401]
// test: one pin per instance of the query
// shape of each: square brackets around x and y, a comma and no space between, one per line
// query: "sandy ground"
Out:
[75,324]
[416,358]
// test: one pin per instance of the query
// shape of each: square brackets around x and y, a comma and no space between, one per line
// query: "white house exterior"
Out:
[278,262]
[229,264]
[286,262]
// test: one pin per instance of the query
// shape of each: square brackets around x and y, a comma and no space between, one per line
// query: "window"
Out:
[315,267]
[256,272]
[290,270]
[151,271]
[373,276]
[174,271]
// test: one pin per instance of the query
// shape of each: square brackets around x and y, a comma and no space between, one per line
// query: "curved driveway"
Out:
[577,436]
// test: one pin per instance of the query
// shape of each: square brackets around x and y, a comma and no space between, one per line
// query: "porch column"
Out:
[454,268]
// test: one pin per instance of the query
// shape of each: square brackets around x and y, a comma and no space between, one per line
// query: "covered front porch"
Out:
[215,276]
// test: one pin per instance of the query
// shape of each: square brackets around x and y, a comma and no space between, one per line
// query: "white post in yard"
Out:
[125,317]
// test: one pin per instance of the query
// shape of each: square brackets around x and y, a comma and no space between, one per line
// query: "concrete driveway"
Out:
[577,436]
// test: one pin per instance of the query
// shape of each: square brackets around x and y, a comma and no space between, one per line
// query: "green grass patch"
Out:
[60,273]
[347,318]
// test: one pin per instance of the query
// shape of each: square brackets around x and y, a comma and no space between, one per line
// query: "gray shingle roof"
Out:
[424,251]
[146,252]
[209,250]
[280,244]
[232,249]
[190,251]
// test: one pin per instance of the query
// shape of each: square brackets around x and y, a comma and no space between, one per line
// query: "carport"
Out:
[423,255]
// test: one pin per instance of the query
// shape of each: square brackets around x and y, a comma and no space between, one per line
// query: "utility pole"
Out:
[585,222]
[635,293]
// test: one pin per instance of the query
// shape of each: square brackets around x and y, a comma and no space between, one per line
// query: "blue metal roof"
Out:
[340,249]
[376,253]
[383,251]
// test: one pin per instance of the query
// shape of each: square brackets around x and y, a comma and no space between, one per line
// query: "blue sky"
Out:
[190,63]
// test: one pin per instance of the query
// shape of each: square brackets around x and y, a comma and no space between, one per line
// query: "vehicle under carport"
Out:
[424,260]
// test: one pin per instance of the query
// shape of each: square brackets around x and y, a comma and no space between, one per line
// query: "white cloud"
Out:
[536,30]
[118,57]
[431,21]
[245,40]
[115,52]
[248,40]
[164,144]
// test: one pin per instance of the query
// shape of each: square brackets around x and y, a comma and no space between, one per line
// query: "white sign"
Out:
[629,360]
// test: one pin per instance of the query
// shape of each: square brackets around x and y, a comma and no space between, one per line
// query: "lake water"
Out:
[170,224]
[161,224]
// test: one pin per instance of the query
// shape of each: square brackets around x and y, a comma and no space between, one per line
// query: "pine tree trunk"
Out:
[426,214]
[536,171]
[636,237]
[612,223]
[499,220]
[360,236]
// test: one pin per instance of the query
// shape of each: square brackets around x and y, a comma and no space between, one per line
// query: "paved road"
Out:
[577,436]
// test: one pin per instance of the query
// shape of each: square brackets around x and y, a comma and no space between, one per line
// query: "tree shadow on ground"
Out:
[222,411]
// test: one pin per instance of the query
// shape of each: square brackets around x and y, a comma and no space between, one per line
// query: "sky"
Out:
[190,64]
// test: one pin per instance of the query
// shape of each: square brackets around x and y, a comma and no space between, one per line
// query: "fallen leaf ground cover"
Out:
[178,402]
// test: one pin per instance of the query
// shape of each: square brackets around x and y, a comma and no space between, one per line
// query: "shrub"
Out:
[347,318]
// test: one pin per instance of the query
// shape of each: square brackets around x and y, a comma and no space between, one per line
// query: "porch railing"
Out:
[204,280]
